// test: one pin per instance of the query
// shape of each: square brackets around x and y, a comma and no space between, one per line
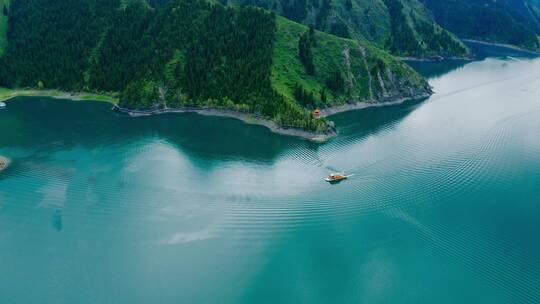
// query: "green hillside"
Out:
[192,53]
[404,27]
[413,32]
[360,65]
[4,8]
[514,22]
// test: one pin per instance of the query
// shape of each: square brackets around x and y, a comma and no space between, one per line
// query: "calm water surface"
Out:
[444,206]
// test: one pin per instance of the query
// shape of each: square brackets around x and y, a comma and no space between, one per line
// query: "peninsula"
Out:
[198,54]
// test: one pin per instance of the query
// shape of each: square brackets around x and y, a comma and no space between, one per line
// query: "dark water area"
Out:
[443,206]
[480,52]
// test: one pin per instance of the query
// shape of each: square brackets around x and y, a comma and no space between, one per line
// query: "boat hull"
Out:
[334,180]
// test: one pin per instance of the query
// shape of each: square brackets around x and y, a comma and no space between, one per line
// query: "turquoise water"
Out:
[443,207]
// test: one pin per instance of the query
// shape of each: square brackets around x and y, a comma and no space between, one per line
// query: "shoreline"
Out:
[273,126]
[434,59]
[503,45]
[333,110]
[472,58]
[8,94]
[245,117]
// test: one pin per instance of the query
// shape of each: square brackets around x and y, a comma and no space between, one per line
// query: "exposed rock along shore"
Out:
[247,118]
[273,126]
[365,104]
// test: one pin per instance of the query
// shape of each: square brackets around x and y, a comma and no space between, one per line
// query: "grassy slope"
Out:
[368,19]
[287,69]
[7,94]
[3,26]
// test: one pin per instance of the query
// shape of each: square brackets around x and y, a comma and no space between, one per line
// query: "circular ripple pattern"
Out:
[443,205]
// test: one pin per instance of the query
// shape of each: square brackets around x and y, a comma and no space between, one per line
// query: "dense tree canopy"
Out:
[193,53]
[49,39]
[182,53]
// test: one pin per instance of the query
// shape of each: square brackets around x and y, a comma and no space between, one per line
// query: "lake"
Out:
[443,207]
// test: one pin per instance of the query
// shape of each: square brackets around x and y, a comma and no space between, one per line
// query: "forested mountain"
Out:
[404,27]
[196,53]
[418,28]
[506,21]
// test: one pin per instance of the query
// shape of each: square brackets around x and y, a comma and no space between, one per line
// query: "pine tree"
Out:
[323,96]
[310,100]
[335,82]
[5,10]
[305,53]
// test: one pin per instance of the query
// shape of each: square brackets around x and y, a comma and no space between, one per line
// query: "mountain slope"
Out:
[413,32]
[191,53]
[514,22]
[367,73]
[405,27]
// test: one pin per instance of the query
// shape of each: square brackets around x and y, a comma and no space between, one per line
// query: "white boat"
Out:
[2,105]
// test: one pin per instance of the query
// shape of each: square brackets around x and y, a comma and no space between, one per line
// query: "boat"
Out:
[2,105]
[337,177]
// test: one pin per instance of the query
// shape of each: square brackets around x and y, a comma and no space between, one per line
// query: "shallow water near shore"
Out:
[444,207]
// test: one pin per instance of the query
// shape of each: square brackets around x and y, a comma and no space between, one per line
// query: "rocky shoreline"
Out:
[247,118]
[367,104]
[389,100]
[273,126]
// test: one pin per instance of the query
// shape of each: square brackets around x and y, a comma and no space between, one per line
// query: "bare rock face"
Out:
[4,163]
[391,87]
